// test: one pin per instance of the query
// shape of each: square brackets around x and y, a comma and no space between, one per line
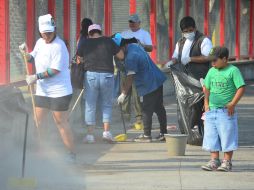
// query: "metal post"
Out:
[153,29]
[108,17]
[4,43]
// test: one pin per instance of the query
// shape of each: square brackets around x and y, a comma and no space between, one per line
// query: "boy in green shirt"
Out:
[224,87]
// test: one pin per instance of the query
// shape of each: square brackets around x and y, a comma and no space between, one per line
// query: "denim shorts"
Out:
[98,94]
[220,131]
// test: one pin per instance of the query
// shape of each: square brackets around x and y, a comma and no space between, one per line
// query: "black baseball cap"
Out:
[218,52]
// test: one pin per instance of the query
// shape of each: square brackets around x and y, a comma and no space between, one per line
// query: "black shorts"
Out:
[54,104]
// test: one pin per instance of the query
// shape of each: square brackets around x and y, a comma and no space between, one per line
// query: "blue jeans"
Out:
[220,131]
[99,89]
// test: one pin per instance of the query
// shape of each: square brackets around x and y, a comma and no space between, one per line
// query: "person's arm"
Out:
[125,88]
[206,47]
[238,95]
[127,85]
[206,101]
[148,48]
[120,54]
[30,79]
[199,59]
[147,43]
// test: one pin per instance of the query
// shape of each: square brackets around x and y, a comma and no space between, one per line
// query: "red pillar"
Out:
[66,22]
[153,29]
[30,25]
[4,43]
[222,22]
[237,29]
[52,8]
[206,18]
[132,4]
[171,27]
[78,3]
[108,17]
[251,50]
[187,7]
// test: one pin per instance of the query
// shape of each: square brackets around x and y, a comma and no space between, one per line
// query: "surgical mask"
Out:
[189,36]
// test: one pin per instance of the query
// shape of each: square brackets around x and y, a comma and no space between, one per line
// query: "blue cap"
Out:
[117,38]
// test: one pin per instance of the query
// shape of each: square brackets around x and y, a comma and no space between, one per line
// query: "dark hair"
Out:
[92,32]
[128,41]
[187,22]
[86,22]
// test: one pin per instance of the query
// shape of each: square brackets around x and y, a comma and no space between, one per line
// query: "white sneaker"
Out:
[107,136]
[89,139]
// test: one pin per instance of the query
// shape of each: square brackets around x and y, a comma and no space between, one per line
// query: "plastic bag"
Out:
[190,99]
[77,73]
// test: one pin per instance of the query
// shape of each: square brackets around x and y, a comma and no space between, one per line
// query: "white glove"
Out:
[30,79]
[185,60]
[202,82]
[23,49]
[121,98]
[166,67]
[168,64]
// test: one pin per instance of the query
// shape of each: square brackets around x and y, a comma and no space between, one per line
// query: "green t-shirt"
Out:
[223,84]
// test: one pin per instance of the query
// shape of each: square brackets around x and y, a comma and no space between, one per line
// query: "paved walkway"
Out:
[129,166]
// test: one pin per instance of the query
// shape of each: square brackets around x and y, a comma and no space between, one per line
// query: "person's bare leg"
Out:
[215,155]
[90,129]
[228,155]
[106,126]
[62,123]
[41,114]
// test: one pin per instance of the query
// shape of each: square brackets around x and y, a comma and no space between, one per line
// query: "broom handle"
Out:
[31,93]
[121,110]
[24,147]
[75,104]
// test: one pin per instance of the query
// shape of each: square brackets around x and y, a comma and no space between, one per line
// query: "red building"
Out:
[228,23]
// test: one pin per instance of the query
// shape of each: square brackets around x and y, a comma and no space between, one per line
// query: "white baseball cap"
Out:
[94,27]
[46,23]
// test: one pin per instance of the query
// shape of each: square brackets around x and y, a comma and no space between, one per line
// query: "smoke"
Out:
[45,161]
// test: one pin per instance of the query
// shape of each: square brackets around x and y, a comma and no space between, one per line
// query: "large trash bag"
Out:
[190,99]
[12,102]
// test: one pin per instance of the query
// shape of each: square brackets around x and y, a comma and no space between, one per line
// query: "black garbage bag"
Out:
[12,103]
[190,99]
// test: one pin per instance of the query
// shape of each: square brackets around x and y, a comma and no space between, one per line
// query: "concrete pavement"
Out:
[128,166]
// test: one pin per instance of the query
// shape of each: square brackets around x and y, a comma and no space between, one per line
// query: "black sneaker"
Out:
[143,138]
[160,138]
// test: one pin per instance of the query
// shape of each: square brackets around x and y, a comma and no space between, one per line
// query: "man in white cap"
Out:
[137,32]
[53,89]
[145,41]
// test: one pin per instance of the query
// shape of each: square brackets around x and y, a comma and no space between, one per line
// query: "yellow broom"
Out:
[122,137]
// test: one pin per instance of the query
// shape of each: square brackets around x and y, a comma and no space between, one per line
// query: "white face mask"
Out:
[189,36]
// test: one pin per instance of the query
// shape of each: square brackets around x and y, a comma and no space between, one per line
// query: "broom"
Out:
[122,137]
[23,47]
[22,182]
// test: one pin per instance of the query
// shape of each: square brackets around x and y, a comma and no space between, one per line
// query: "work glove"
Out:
[30,79]
[202,82]
[185,60]
[121,98]
[23,49]
[166,67]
